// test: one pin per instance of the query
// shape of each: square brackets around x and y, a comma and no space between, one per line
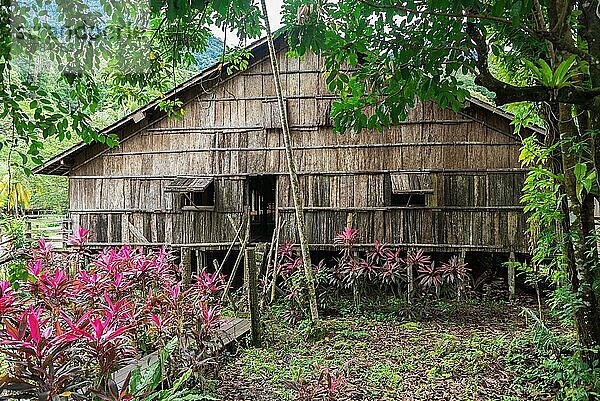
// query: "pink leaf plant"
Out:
[7,297]
[346,237]
[97,312]
[455,271]
[208,284]
[417,259]
[80,237]
[430,277]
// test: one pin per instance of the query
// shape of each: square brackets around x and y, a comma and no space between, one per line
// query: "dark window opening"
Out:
[199,199]
[261,200]
[408,200]
[410,189]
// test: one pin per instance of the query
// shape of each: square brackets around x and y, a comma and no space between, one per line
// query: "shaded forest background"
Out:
[50,193]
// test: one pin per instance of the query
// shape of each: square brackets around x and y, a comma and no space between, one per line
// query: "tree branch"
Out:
[507,93]
[438,13]
[536,33]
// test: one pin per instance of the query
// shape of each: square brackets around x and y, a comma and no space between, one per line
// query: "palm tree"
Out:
[15,192]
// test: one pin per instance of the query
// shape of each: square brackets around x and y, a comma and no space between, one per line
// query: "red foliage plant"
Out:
[381,267]
[78,318]
[331,384]
[386,267]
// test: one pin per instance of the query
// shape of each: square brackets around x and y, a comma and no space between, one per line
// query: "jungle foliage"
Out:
[542,55]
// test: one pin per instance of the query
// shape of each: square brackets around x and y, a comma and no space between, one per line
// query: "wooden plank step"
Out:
[230,330]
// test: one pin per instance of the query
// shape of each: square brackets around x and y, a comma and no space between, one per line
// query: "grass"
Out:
[437,351]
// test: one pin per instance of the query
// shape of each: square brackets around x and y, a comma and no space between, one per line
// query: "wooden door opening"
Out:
[261,200]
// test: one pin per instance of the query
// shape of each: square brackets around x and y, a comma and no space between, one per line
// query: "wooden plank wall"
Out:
[232,131]
[446,228]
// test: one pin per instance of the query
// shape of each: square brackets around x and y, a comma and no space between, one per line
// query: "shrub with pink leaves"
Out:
[77,318]
[361,271]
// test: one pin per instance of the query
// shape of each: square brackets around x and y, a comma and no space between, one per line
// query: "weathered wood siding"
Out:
[232,131]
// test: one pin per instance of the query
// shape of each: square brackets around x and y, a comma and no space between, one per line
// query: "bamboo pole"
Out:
[411,281]
[307,147]
[329,209]
[235,238]
[238,259]
[275,267]
[274,238]
[287,138]
[268,259]
[461,286]
[241,176]
[472,247]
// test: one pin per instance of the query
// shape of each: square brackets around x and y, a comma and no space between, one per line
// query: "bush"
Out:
[15,246]
[380,268]
[77,318]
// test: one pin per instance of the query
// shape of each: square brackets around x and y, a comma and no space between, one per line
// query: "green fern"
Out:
[557,79]
[542,336]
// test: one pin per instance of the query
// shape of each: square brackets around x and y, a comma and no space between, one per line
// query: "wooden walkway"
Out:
[231,329]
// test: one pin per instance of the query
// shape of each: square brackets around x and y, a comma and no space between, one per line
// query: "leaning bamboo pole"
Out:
[310,282]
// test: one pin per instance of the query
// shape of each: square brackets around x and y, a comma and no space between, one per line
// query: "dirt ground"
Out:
[446,351]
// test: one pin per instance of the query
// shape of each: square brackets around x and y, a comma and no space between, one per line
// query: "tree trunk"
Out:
[582,229]
[310,282]
[588,323]
[581,251]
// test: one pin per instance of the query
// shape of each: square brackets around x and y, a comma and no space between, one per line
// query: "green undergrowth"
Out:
[431,350]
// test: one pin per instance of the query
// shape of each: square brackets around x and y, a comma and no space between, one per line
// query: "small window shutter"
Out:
[189,184]
[405,183]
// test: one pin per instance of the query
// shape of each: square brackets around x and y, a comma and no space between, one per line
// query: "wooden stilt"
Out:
[460,291]
[186,266]
[195,262]
[410,287]
[350,220]
[201,264]
[251,271]
[511,278]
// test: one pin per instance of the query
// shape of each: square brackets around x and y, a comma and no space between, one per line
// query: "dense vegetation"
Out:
[71,320]
[541,57]
[50,193]
[77,317]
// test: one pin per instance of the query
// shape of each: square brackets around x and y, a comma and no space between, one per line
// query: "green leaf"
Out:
[352,59]
[546,73]
[220,6]
[498,8]
[589,181]
[135,381]
[579,171]
[181,380]
[564,72]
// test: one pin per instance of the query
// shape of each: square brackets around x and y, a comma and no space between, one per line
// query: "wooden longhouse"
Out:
[441,180]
